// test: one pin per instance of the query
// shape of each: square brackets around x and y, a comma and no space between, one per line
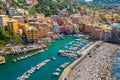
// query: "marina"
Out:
[19,68]
[73,48]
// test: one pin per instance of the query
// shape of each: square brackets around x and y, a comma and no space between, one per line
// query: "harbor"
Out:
[20,67]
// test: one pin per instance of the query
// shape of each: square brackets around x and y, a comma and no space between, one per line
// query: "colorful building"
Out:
[13,25]
[19,18]
[32,34]
[2,12]
[39,16]
[12,11]
[61,21]
[101,32]
[4,22]
[32,2]
[23,26]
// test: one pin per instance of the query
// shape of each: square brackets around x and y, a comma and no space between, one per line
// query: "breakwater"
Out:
[94,64]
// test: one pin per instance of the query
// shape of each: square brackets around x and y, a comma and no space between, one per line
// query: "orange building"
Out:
[23,27]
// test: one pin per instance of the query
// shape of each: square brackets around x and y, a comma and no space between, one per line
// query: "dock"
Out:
[27,56]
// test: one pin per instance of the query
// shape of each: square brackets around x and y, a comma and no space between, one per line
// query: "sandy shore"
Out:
[94,66]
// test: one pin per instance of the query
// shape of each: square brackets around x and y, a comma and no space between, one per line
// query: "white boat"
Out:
[58,69]
[53,58]
[14,60]
[56,74]
[47,60]
[26,76]
[64,65]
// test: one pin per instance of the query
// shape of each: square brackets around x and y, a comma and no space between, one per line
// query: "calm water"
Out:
[116,67]
[10,71]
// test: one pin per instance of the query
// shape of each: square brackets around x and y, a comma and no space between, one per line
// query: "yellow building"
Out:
[39,16]
[32,34]
[4,22]
[13,25]
[23,26]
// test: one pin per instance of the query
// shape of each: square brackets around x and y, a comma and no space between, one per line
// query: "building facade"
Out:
[13,25]
[32,34]
[3,22]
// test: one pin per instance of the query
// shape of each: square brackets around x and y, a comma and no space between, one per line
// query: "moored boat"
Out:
[56,74]
[53,58]
[58,69]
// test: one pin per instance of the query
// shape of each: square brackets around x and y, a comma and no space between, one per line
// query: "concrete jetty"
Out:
[93,64]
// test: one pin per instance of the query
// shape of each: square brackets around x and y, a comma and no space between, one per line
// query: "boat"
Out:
[26,76]
[53,58]
[58,69]
[18,59]
[46,49]
[14,60]
[56,74]
[64,65]
[47,60]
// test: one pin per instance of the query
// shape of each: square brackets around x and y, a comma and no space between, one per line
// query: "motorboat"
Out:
[58,69]
[14,60]
[47,60]
[56,74]
[53,58]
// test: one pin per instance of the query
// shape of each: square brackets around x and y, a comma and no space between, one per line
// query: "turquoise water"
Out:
[116,67]
[10,70]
